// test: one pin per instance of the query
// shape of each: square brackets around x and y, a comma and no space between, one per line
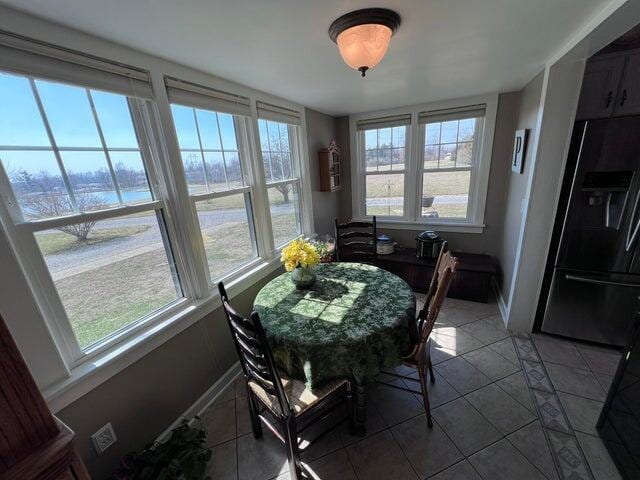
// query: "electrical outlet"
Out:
[103,438]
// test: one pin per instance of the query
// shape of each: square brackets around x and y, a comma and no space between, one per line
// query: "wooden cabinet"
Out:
[471,282]
[611,87]
[600,88]
[330,168]
[34,445]
[628,101]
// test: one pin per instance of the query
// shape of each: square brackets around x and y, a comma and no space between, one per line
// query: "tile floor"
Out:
[486,422]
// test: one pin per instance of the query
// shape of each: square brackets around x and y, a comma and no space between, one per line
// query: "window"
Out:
[214,171]
[83,191]
[384,150]
[450,154]
[124,208]
[280,164]
[442,182]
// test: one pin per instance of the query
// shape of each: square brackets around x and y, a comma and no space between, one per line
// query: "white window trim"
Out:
[72,379]
[474,223]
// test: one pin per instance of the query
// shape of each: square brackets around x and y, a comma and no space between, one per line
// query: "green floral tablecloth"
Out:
[351,323]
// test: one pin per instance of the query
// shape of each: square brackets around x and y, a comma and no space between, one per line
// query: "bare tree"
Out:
[280,162]
[42,197]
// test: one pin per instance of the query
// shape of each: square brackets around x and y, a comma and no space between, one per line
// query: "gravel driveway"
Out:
[69,259]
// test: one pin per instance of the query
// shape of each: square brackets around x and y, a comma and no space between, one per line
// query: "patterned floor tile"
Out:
[525,348]
[569,456]
[537,376]
[550,411]
[498,402]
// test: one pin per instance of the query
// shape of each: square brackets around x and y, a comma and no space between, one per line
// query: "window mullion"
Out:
[94,113]
[54,146]
[204,163]
[224,158]
[261,198]
[182,224]
[412,159]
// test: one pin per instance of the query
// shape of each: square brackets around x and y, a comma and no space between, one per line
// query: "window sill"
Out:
[440,226]
[100,368]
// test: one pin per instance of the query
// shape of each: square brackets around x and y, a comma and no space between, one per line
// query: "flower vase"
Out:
[303,277]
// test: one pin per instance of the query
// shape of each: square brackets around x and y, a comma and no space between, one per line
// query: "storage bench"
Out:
[472,282]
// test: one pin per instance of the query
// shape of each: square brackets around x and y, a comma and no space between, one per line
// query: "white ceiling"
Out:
[443,49]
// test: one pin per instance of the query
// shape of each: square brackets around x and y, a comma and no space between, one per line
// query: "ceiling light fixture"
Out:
[363,36]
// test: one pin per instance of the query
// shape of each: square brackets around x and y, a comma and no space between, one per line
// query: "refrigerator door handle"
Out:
[595,281]
[632,233]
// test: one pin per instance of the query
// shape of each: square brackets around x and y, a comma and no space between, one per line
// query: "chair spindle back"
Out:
[356,241]
[446,268]
[253,350]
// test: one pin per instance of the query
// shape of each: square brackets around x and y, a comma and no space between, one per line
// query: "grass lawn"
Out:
[55,241]
[435,184]
[105,299]
[237,201]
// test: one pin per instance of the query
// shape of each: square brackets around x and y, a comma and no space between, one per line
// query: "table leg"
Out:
[361,413]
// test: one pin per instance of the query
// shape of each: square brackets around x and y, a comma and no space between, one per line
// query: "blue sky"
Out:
[72,124]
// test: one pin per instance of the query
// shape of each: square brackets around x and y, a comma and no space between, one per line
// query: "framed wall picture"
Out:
[519,150]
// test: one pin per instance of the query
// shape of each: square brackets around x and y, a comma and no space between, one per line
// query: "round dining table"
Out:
[351,323]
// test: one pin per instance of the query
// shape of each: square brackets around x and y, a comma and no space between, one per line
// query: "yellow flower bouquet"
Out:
[299,256]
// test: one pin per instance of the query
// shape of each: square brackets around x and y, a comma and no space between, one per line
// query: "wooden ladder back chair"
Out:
[288,401]
[433,286]
[356,241]
[420,355]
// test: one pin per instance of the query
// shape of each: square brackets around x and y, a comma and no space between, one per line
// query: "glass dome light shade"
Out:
[364,45]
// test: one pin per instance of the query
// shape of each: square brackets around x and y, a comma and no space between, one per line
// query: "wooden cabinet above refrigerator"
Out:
[611,86]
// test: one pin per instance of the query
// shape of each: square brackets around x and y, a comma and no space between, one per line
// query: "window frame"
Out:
[33,261]
[404,172]
[67,378]
[414,154]
[241,125]
[293,134]
[472,203]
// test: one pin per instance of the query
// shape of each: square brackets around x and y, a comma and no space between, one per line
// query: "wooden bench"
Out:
[472,281]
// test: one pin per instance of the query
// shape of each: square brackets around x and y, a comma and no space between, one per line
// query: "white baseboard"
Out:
[206,399]
[502,305]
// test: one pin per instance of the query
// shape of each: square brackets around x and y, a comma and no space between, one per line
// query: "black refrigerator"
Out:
[596,274]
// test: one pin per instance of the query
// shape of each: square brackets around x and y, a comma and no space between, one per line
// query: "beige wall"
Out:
[515,186]
[321,129]
[148,396]
[342,126]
